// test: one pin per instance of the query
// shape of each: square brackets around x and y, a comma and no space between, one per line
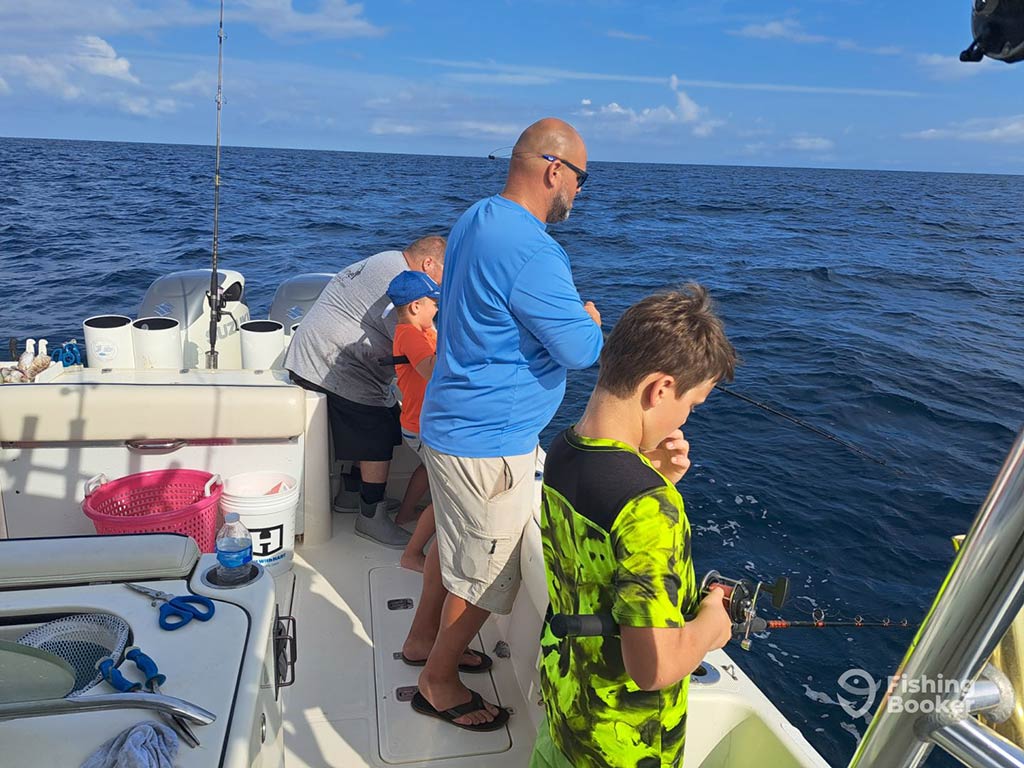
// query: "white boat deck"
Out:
[343,709]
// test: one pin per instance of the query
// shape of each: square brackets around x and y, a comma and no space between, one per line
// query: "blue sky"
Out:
[836,83]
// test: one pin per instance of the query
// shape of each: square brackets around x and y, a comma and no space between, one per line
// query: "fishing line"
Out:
[810,427]
[498,153]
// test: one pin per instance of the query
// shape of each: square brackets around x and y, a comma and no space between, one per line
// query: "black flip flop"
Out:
[475,704]
[486,662]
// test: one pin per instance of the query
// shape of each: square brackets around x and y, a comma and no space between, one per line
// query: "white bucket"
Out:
[291,331]
[108,342]
[270,517]
[157,342]
[262,344]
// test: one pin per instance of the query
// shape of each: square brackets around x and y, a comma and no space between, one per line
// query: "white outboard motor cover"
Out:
[182,295]
[295,296]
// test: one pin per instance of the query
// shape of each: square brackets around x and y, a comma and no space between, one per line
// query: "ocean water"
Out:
[884,307]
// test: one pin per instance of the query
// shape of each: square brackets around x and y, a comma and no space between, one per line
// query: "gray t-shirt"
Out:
[340,341]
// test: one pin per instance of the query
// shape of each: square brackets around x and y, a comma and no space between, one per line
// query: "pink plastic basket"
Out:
[164,501]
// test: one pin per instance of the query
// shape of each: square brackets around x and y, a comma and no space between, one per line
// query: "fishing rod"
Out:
[805,425]
[818,621]
[215,296]
[740,599]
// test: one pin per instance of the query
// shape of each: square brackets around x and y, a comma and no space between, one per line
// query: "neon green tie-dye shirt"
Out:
[616,540]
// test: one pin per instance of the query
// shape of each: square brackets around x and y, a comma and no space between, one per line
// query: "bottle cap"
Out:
[231,517]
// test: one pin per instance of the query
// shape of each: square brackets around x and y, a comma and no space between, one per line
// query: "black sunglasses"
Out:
[581,175]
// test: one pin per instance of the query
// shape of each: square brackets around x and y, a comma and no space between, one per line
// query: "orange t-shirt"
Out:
[416,345]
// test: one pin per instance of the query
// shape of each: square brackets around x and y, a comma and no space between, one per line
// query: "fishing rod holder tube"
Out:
[988,698]
[979,599]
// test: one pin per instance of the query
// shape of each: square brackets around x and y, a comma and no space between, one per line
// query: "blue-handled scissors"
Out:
[178,611]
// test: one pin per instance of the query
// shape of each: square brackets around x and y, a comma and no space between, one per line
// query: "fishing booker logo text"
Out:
[906,694]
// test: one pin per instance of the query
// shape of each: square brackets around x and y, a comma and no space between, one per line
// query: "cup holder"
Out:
[211,579]
[705,674]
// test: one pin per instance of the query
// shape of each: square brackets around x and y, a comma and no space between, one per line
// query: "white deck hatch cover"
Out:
[407,736]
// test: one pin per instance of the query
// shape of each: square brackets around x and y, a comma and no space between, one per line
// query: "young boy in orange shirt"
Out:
[415,297]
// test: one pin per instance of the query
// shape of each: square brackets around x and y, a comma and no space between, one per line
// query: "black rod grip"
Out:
[583,625]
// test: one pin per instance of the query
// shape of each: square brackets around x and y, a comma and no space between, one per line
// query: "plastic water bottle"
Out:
[234,551]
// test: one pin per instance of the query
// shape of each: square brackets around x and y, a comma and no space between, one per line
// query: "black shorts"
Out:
[360,432]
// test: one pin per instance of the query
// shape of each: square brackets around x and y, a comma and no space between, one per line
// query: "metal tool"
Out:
[177,611]
[154,679]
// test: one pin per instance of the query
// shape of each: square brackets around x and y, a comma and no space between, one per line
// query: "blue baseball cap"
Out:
[411,285]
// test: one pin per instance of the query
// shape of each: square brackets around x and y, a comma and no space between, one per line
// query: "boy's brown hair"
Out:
[677,333]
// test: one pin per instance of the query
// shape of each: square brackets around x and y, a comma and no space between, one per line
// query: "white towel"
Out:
[145,745]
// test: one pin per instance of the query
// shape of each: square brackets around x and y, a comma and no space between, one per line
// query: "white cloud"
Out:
[586,102]
[84,77]
[48,17]
[705,129]
[685,106]
[499,79]
[4,87]
[785,29]
[385,127]
[333,18]
[200,84]
[648,115]
[606,77]
[461,128]
[685,112]
[807,149]
[999,130]
[43,18]
[811,144]
[939,67]
[474,128]
[790,29]
[619,34]
[142,106]
[96,56]
[42,75]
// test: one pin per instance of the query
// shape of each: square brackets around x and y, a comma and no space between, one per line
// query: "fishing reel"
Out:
[741,596]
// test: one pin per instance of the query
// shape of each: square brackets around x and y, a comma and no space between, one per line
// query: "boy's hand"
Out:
[671,457]
[712,610]
[591,310]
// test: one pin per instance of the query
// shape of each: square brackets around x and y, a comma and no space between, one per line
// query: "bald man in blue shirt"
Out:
[511,324]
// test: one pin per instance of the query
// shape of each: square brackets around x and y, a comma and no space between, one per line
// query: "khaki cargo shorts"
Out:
[481,507]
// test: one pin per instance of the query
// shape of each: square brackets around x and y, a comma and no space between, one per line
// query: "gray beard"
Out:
[560,208]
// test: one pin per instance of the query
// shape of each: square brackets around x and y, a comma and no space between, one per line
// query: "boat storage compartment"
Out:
[55,436]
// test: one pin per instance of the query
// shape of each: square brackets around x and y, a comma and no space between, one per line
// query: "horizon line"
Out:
[484,156]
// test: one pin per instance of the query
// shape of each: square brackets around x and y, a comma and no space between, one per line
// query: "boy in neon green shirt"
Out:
[616,540]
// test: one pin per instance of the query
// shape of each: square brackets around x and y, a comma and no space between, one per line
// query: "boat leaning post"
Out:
[938,685]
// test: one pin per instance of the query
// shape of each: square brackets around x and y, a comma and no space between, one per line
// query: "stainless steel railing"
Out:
[982,593]
[166,704]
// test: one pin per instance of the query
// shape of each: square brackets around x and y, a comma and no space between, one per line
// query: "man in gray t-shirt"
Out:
[343,348]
